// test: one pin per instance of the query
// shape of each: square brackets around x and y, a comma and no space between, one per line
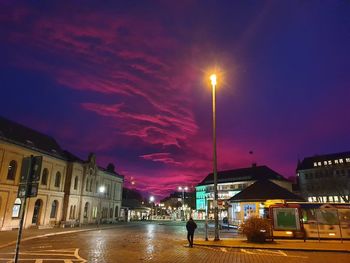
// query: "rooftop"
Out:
[243,174]
[263,190]
[308,162]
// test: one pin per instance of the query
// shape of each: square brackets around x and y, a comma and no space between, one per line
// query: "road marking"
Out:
[278,252]
[40,256]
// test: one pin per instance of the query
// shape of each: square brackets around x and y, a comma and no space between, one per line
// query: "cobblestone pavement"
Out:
[149,242]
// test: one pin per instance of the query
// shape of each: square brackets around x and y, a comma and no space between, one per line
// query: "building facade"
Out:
[68,187]
[325,178]
[230,183]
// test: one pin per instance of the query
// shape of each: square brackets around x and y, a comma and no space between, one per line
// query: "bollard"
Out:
[206,229]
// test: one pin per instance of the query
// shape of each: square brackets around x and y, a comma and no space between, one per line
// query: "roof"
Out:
[21,135]
[308,162]
[243,174]
[263,190]
[72,158]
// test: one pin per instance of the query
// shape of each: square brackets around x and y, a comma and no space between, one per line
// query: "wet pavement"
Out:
[149,242]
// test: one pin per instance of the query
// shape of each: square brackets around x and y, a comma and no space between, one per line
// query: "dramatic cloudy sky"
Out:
[129,81]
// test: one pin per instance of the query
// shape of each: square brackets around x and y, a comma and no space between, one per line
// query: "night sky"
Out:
[129,81]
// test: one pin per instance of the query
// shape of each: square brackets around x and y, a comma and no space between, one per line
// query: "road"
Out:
[149,242]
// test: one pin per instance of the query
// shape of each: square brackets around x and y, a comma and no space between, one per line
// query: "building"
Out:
[230,183]
[68,188]
[256,198]
[325,178]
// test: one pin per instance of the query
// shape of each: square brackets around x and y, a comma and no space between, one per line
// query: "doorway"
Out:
[36,212]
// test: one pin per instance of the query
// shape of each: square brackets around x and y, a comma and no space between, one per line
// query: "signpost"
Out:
[28,187]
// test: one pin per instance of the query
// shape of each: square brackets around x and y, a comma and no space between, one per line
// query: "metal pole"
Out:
[216,211]
[183,204]
[341,234]
[19,236]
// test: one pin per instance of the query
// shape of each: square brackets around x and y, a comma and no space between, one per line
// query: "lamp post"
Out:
[183,189]
[216,210]
[151,199]
[101,191]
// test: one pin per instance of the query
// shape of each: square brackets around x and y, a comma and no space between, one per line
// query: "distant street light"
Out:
[183,189]
[213,81]
[101,191]
[151,199]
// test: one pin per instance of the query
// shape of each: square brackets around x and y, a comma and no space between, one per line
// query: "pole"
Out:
[19,236]
[183,204]
[216,211]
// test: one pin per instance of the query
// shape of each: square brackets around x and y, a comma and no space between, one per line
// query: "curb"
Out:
[277,248]
[55,234]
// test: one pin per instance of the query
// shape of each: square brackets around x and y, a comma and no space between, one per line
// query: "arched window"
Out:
[11,172]
[116,212]
[58,179]
[54,207]
[76,183]
[16,207]
[44,176]
[86,209]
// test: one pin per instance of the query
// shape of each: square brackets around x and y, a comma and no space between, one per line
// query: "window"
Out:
[16,208]
[87,185]
[76,183]
[54,206]
[86,209]
[71,212]
[58,179]
[90,188]
[116,212]
[44,176]
[11,172]
[111,213]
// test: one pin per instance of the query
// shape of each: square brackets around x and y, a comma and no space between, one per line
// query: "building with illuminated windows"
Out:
[325,178]
[230,183]
[69,190]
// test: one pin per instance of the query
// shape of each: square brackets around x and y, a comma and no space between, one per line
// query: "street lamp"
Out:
[213,81]
[101,191]
[151,199]
[183,189]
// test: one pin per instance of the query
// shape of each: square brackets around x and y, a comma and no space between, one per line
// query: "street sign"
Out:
[22,191]
[25,170]
[30,176]
[36,168]
[33,189]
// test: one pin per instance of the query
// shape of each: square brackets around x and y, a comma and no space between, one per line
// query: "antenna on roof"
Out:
[252,158]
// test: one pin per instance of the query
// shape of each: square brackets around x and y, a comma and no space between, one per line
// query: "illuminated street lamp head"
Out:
[180,188]
[102,189]
[186,188]
[213,79]
[151,199]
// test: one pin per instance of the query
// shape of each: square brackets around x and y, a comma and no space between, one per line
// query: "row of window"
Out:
[326,199]
[326,173]
[104,211]
[330,162]
[16,209]
[12,169]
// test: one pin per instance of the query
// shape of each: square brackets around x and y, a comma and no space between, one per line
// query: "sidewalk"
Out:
[280,244]
[8,238]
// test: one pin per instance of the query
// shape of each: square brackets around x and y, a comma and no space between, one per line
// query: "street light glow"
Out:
[213,80]
[102,189]
[151,199]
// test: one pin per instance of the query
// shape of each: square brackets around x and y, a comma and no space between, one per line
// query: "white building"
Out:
[230,183]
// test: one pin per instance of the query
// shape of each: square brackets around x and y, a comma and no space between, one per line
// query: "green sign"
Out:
[286,219]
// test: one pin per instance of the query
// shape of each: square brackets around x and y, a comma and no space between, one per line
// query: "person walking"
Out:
[191,227]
